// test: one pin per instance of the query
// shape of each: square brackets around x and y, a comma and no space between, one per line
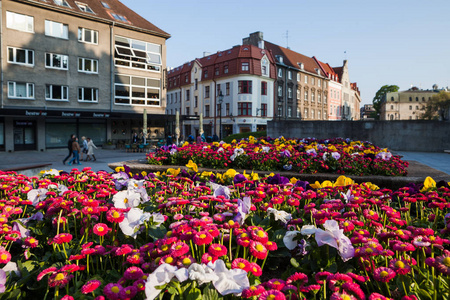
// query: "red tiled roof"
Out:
[339,71]
[292,58]
[328,70]
[115,7]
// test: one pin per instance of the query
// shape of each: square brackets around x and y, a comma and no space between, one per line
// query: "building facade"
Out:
[86,67]
[334,91]
[231,89]
[405,105]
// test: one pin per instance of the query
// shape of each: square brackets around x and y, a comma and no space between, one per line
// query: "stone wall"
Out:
[411,135]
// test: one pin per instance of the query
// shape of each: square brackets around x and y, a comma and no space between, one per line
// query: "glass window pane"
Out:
[153,83]
[138,81]
[65,92]
[20,56]
[87,65]
[56,61]
[87,94]
[95,66]
[122,79]
[153,48]
[122,90]
[88,35]
[48,91]
[80,34]
[65,62]
[80,94]
[95,40]
[30,57]
[138,92]
[56,92]
[10,54]
[138,45]
[21,90]
[11,89]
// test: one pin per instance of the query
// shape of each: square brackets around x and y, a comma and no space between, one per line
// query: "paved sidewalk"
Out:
[55,156]
[436,160]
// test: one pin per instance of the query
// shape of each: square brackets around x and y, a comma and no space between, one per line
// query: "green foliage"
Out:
[244,135]
[379,96]
[438,107]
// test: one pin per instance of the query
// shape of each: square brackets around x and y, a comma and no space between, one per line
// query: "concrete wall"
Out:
[427,136]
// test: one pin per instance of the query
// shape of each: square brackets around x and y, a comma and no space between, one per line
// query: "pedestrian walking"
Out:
[69,147]
[90,146]
[84,147]
[76,152]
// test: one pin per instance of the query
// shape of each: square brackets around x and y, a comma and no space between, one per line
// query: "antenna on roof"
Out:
[287,39]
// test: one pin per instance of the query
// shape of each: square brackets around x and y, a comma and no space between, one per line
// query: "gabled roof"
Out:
[328,70]
[292,58]
[339,71]
[112,11]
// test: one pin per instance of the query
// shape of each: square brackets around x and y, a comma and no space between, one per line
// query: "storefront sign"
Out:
[35,113]
[100,115]
[70,114]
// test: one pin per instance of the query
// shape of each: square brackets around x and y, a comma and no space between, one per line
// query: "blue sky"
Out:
[386,41]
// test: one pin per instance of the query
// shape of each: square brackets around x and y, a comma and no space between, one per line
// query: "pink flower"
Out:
[275,284]
[112,291]
[133,273]
[240,263]
[101,229]
[90,286]
[272,295]
[179,249]
[258,250]
[400,266]
[217,250]
[383,274]
[255,269]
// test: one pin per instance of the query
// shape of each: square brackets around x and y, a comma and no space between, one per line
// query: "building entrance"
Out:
[24,135]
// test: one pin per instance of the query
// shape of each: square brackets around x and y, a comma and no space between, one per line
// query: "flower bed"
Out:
[308,156]
[190,235]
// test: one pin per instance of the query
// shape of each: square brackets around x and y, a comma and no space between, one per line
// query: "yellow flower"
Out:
[293,180]
[185,144]
[216,144]
[119,169]
[254,176]
[192,166]
[429,183]
[316,185]
[230,173]
[343,181]
[327,183]
[173,171]
[332,148]
[372,186]
[206,174]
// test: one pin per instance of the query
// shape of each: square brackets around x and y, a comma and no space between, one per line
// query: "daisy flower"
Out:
[272,295]
[112,291]
[297,277]
[217,250]
[179,249]
[59,279]
[258,250]
[253,291]
[202,238]
[383,274]
[275,284]
[241,263]
[255,269]
[133,273]
[90,286]
[115,216]
[399,266]
[101,229]
[442,263]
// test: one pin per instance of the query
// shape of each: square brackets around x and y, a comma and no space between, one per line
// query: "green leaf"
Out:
[255,220]
[424,294]
[194,294]
[210,293]
[157,233]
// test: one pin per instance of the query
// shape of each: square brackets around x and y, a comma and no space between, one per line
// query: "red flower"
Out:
[90,286]
[258,250]
[202,238]
[62,238]
[383,274]
[241,263]
[255,269]
[115,215]
[179,249]
[217,250]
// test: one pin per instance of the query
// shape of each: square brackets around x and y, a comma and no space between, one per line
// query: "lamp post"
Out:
[220,114]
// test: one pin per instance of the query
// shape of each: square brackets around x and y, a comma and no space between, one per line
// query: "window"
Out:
[290,93]
[245,66]
[56,92]
[417,106]
[87,36]
[196,84]
[225,69]
[289,75]
[84,7]
[319,82]
[132,90]
[187,111]
[318,114]
[56,61]
[87,65]
[227,88]
[417,98]
[306,113]
[218,88]
[205,73]
[410,98]
[263,110]
[325,99]
[263,88]
[312,113]
[20,56]
[195,101]
[56,29]
[392,106]
[137,54]
[19,22]
[227,109]
[105,5]
[298,77]
[410,107]
[87,94]
[280,91]
[264,67]
[244,108]
[21,90]
[423,99]
[216,72]
[186,78]
[312,80]
[61,3]
[119,17]
[392,98]
[313,96]
[306,79]
[319,98]
[306,95]
[280,73]
[244,87]
[188,95]
[289,112]
[280,110]
[206,91]
[206,111]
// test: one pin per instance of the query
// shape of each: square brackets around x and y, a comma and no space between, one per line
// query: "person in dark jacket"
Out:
[69,146]
[76,150]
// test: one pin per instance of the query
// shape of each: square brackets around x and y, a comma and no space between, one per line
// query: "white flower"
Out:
[158,218]
[138,187]
[308,230]
[11,267]
[334,237]
[229,281]
[280,215]
[265,149]
[126,199]
[288,239]
[202,273]
[162,275]
[220,190]
[132,222]
[37,195]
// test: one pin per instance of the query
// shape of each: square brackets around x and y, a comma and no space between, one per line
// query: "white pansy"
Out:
[280,215]
[134,218]
[50,172]
[229,281]
[162,275]
[288,239]
[308,230]
[126,199]
[201,273]
[37,195]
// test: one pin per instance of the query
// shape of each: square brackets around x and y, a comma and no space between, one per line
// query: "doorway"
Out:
[24,135]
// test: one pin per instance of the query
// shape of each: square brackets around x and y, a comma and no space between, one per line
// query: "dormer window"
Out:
[84,7]
[105,5]
[61,3]
[119,17]
[279,58]
[301,65]
[264,66]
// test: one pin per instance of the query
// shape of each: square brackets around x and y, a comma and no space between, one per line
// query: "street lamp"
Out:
[220,114]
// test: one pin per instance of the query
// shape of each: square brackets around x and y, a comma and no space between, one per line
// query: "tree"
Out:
[438,107]
[379,96]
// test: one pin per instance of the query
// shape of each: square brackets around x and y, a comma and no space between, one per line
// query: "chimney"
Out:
[255,39]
